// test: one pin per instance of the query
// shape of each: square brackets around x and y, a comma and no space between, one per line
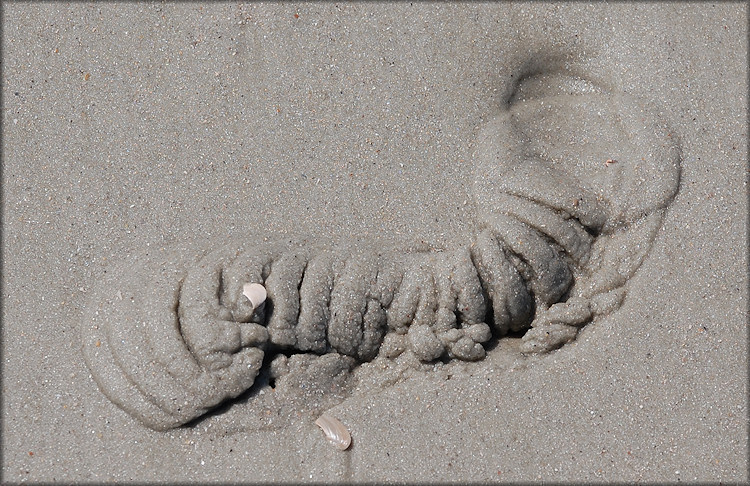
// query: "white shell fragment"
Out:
[255,293]
[335,431]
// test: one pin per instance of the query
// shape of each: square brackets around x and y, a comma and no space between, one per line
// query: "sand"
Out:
[134,127]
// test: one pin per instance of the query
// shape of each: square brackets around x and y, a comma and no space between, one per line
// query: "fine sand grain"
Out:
[133,129]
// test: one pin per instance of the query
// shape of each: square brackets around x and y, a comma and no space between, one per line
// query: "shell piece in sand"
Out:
[335,431]
[255,293]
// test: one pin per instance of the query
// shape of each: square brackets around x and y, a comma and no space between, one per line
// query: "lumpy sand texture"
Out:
[571,182]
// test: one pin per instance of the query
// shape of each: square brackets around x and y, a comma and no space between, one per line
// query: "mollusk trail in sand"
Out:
[562,229]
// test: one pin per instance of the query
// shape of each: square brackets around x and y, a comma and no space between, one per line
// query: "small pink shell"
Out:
[335,431]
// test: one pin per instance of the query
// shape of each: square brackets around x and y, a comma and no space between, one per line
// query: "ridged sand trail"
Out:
[571,182]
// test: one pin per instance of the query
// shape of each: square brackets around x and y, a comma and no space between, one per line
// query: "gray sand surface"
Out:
[135,126]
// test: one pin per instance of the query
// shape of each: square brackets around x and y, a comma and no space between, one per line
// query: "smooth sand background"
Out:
[132,125]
